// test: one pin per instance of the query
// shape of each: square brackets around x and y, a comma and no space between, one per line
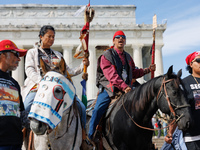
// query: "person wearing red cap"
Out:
[115,72]
[191,85]
[11,104]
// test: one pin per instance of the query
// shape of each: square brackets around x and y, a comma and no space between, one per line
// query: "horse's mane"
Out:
[142,94]
[59,68]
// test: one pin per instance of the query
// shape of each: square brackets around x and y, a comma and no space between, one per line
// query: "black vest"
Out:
[112,56]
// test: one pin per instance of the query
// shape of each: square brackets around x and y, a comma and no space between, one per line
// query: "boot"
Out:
[87,144]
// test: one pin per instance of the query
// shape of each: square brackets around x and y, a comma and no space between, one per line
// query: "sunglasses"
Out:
[15,53]
[118,36]
[197,60]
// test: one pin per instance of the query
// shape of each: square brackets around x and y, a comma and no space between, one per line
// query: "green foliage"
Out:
[156,133]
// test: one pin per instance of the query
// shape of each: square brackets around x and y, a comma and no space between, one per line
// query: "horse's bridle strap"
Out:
[167,97]
[178,107]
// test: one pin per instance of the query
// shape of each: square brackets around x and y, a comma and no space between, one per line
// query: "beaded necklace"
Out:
[195,79]
[49,57]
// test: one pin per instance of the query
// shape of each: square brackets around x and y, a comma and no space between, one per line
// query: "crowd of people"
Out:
[160,122]
[115,72]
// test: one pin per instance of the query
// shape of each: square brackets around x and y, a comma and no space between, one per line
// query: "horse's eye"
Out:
[181,87]
[58,92]
[174,93]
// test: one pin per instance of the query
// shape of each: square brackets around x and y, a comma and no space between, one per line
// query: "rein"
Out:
[169,104]
[146,128]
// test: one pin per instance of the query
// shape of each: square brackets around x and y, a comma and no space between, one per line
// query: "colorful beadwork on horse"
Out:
[55,95]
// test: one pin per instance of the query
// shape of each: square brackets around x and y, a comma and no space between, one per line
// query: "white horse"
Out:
[54,117]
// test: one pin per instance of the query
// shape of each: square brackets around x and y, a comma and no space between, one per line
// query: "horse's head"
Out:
[60,68]
[54,96]
[172,100]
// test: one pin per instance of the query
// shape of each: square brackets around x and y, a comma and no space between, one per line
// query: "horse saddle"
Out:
[99,140]
[113,103]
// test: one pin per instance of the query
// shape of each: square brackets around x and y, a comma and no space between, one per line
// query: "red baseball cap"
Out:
[191,57]
[118,33]
[6,45]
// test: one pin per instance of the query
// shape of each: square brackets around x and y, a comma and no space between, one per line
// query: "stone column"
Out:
[67,54]
[91,83]
[158,60]
[18,74]
[137,58]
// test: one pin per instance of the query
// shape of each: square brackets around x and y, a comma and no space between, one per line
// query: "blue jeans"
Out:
[82,111]
[81,107]
[14,147]
[177,141]
[165,129]
[29,101]
[100,108]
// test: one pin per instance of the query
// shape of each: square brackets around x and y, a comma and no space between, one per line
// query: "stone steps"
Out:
[158,141]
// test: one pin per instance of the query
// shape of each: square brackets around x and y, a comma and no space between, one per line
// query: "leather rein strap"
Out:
[138,124]
[169,104]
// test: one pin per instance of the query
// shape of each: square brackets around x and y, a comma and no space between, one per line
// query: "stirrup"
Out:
[90,143]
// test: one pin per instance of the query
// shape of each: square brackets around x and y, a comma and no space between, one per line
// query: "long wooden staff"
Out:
[153,45]
[83,47]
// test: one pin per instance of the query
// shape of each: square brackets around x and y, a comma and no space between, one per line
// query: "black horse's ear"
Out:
[62,66]
[44,67]
[179,73]
[170,71]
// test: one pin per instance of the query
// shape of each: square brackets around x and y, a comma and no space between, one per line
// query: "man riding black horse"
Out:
[115,71]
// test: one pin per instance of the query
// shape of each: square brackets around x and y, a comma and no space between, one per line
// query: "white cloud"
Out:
[182,35]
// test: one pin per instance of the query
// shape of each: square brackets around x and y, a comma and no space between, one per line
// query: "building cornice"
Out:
[36,27]
[62,6]
[55,14]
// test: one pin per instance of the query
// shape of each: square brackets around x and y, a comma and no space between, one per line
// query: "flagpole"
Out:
[153,45]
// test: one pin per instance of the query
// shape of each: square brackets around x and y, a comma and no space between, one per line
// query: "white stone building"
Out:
[22,23]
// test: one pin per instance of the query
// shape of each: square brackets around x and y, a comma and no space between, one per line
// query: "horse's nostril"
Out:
[188,124]
[40,124]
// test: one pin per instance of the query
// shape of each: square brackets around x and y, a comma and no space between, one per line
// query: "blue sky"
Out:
[182,35]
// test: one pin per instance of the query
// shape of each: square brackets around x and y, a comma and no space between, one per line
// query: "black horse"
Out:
[164,93]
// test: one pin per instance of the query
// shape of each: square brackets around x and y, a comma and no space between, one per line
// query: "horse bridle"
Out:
[169,104]
[168,101]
